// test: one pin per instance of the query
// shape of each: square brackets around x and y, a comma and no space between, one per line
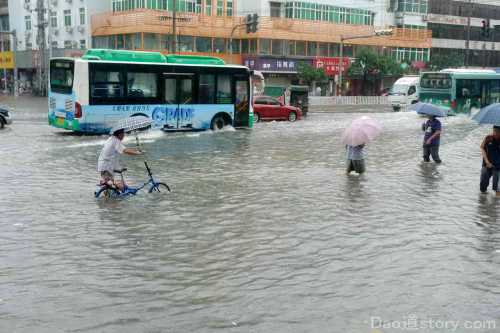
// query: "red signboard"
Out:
[331,65]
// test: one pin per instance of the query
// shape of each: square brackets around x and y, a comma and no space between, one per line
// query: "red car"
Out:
[269,108]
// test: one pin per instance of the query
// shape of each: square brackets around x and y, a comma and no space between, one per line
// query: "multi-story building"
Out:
[68,22]
[290,32]
[449,22]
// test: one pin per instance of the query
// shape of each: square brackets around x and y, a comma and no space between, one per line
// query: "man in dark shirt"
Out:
[490,150]
[432,138]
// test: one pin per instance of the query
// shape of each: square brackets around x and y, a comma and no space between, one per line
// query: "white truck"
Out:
[404,92]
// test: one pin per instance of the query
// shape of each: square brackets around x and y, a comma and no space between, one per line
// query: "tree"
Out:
[450,60]
[372,67]
[309,74]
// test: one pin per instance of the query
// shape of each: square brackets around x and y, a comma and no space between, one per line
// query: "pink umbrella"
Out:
[362,130]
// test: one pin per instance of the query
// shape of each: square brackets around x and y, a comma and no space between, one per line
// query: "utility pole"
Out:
[4,69]
[467,42]
[173,47]
[41,41]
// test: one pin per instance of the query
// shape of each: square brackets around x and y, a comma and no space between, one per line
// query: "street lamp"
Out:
[382,32]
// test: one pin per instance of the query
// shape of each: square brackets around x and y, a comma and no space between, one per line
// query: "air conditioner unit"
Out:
[27,6]
[69,30]
[425,18]
[81,28]
[55,31]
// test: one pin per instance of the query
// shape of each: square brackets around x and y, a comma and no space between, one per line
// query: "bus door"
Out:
[242,102]
[178,97]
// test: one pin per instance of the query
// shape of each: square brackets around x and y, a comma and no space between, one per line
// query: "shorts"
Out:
[356,165]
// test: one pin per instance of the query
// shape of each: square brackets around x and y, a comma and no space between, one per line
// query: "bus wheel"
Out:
[218,123]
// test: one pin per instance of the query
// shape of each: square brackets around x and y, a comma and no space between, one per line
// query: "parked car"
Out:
[5,118]
[269,108]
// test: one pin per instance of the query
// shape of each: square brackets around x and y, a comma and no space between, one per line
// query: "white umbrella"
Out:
[132,124]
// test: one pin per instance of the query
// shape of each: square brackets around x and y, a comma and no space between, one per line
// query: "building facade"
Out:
[68,22]
[448,21]
[290,32]
[67,33]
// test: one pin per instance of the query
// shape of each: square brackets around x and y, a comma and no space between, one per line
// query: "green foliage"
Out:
[451,60]
[309,74]
[372,67]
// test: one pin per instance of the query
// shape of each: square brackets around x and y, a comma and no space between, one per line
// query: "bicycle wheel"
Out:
[107,192]
[159,187]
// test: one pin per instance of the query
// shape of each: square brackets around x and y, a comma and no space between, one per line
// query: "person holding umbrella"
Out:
[490,147]
[490,151]
[361,131]
[108,160]
[432,128]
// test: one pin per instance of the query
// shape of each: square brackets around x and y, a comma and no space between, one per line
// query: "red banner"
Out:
[331,65]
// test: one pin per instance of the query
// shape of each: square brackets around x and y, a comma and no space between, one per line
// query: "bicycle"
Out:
[110,191]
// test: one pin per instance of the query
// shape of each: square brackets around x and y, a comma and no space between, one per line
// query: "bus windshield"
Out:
[435,81]
[61,76]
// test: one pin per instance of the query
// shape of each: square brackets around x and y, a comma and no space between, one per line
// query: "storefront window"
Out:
[185,44]
[151,41]
[203,44]
[291,48]
[323,50]
[277,47]
[265,46]
[311,49]
[219,45]
[244,46]
[300,48]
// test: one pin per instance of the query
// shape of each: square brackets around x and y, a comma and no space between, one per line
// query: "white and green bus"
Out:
[179,93]
[460,89]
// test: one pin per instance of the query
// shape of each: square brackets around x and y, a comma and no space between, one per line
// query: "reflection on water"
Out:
[263,231]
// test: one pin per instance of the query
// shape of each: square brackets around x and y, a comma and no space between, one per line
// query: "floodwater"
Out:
[263,232]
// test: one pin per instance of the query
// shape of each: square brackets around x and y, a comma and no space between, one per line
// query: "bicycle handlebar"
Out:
[147,168]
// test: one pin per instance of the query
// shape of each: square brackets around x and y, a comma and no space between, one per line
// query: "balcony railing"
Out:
[160,22]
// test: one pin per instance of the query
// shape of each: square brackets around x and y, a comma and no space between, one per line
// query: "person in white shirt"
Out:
[109,158]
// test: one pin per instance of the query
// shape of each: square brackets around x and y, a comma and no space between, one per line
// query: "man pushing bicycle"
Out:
[109,159]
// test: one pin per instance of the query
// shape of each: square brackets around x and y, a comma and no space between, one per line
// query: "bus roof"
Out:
[156,58]
[149,57]
[467,70]
[462,73]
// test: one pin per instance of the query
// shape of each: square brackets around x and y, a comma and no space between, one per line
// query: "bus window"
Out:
[495,91]
[186,91]
[61,76]
[224,93]
[171,91]
[108,84]
[142,85]
[206,90]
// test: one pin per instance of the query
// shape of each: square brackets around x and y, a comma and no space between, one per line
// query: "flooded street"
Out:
[263,231]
